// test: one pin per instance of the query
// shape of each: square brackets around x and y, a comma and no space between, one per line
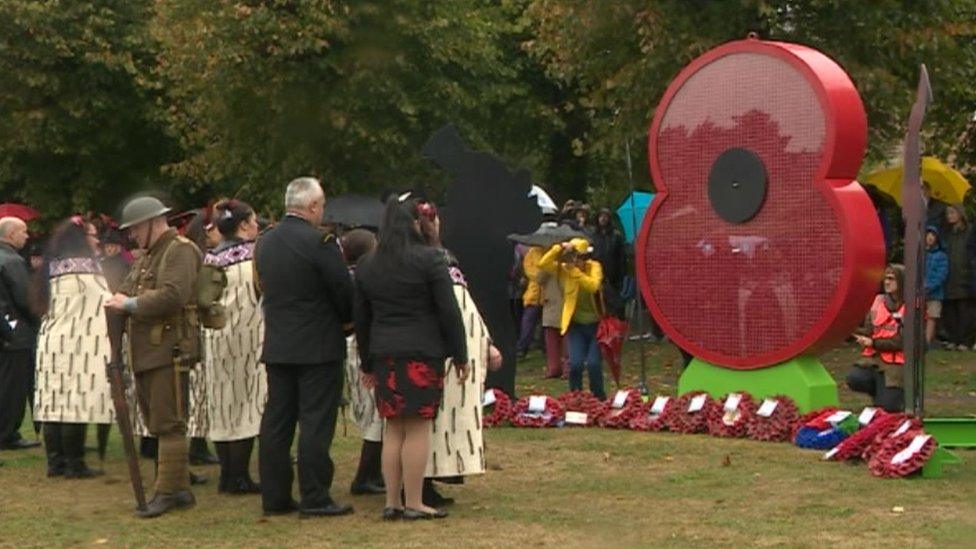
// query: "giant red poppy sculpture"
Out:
[760,249]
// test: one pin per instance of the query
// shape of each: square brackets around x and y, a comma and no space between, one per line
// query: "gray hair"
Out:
[7,225]
[302,192]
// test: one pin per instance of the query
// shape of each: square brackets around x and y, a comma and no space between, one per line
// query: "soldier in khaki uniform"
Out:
[159,296]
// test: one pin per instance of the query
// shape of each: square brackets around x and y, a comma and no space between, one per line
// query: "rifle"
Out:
[114,368]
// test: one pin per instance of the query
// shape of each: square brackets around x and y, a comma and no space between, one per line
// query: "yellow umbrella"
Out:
[947,184]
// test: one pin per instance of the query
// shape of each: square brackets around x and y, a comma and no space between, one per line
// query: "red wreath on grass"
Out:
[808,417]
[583,402]
[853,447]
[645,421]
[778,427]
[619,418]
[882,463]
[552,416]
[683,421]
[730,424]
[500,410]
[889,431]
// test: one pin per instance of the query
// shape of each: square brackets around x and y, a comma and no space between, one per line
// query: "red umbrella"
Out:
[610,335]
[25,213]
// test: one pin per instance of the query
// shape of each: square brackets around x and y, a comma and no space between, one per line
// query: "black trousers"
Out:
[16,380]
[871,381]
[306,395]
[957,319]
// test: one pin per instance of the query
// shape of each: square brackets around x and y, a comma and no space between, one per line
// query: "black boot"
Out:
[432,498]
[54,449]
[239,480]
[148,447]
[200,453]
[370,463]
[223,454]
[73,441]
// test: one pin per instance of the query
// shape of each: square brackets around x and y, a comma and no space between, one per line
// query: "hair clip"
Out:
[227,214]
[404,197]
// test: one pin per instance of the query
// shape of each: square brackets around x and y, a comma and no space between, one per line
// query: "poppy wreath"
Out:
[896,449]
[498,412]
[684,421]
[778,427]
[550,417]
[893,429]
[646,420]
[808,417]
[818,434]
[619,418]
[731,423]
[854,446]
[583,402]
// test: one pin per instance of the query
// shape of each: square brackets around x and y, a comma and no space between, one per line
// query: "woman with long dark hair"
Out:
[236,382]
[71,388]
[407,324]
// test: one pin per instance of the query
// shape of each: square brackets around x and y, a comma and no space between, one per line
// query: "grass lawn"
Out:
[565,488]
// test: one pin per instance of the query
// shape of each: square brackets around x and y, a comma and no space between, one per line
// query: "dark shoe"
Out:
[392,513]
[164,503]
[432,498]
[413,514]
[77,469]
[331,510]
[367,489]
[197,480]
[20,444]
[242,486]
[286,510]
[55,467]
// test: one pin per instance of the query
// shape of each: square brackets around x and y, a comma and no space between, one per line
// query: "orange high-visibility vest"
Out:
[886,325]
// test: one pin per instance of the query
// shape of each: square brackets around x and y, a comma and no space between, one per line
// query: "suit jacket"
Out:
[164,282]
[14,282]
[307,294]
[408,309]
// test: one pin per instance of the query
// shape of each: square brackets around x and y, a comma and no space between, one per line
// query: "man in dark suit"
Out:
[20,339]
[307,307]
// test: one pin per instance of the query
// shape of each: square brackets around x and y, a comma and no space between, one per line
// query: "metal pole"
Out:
[638,298]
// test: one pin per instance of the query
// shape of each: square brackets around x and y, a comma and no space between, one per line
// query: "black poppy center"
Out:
[737,185]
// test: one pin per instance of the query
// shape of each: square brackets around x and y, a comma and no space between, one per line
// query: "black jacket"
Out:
[307,294]
[608,249]
[408,309]
[14,283]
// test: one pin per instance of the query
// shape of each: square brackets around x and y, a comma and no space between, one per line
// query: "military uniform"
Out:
[163,338]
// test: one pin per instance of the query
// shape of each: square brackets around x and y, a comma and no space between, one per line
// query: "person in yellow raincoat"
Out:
[580,278]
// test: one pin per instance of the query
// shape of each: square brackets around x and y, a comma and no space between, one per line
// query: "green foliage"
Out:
[77,127]
[616,59]
[260,92]
[236,97]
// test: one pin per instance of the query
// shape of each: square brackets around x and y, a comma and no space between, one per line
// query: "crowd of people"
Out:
[237,331]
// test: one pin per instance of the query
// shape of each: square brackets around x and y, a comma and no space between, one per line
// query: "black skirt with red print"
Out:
[408,387]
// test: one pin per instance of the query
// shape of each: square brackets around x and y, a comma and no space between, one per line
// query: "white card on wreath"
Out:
[537,404]
[912,449]
[903,428]
[489,398]
[768,407]
[831,453]
[697,403]
[838,417]
[867,415]
[732,402]
[619,399]
[659,404]
[576,418]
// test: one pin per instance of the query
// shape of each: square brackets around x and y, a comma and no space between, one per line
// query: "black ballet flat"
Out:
[413,514]
[392,513]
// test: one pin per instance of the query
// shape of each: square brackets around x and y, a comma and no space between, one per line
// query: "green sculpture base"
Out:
[804,379]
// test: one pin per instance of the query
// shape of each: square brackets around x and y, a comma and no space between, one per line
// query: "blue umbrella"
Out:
[631,213]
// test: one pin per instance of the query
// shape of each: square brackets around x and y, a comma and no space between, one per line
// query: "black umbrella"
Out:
[547,235]
[353,210]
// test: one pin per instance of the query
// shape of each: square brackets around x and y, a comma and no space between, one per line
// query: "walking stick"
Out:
[116,325]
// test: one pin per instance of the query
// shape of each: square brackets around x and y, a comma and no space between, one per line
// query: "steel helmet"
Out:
[141,209]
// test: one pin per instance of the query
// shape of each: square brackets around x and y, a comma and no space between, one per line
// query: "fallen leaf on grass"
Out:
[100,541]
[606,456]
[727,461]
[898,510]
[668,458]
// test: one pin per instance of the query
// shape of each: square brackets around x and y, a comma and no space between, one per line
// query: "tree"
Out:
[78,127]
[615,60]
[260,92]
